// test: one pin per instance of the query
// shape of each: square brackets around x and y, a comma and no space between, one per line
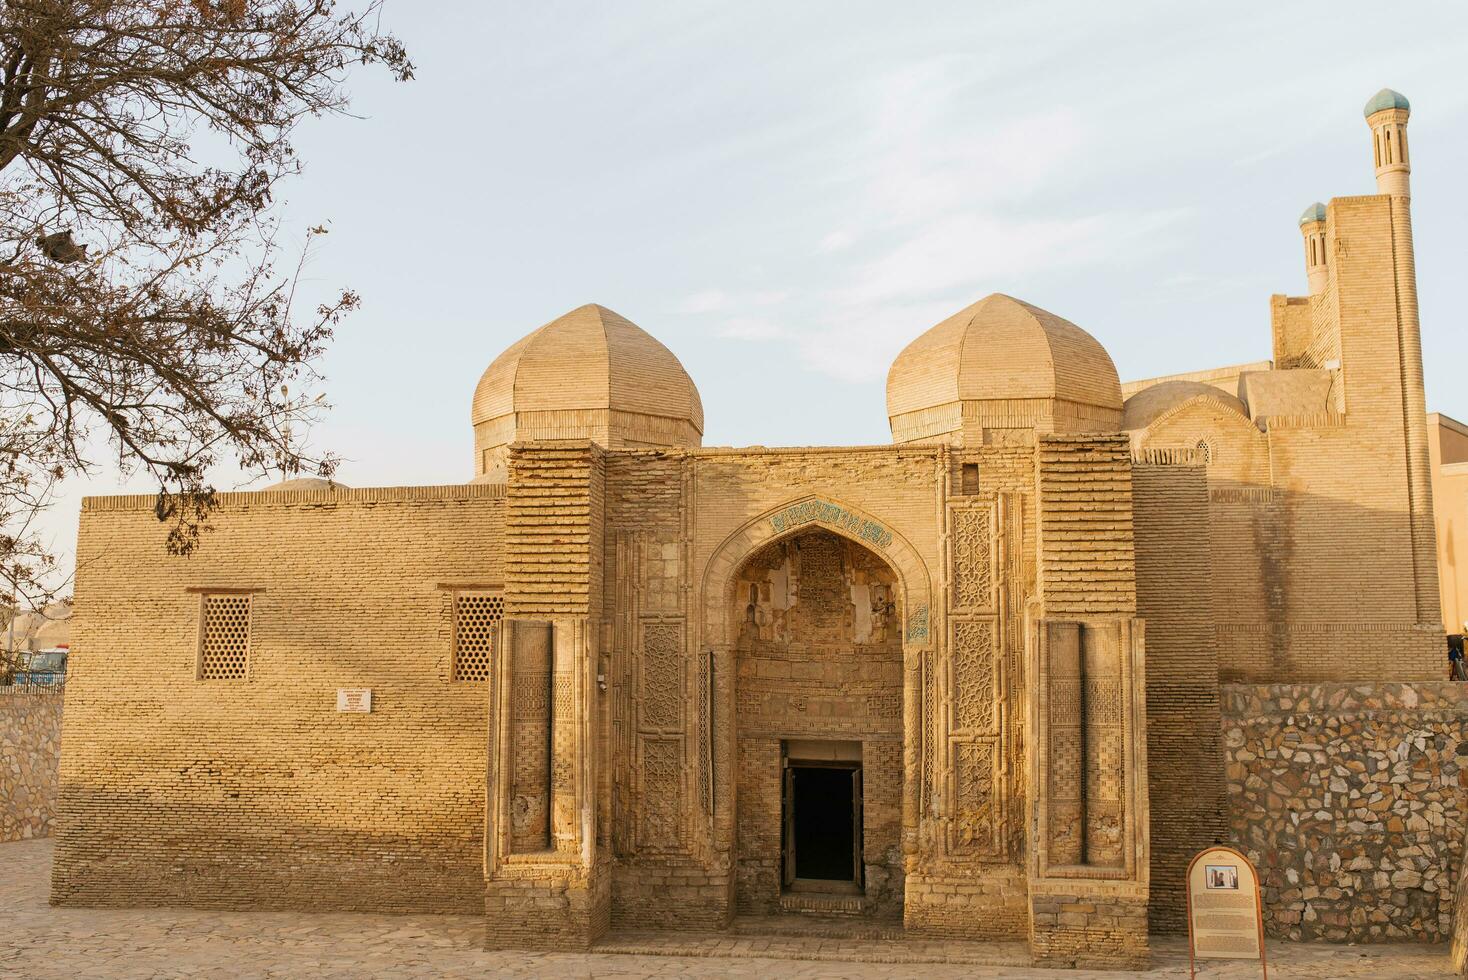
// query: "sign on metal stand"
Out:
[1225,917]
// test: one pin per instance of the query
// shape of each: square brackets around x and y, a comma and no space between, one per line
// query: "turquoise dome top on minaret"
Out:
[1387,99]
[1315,212]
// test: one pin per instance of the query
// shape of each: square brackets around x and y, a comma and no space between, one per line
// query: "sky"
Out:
[788,193]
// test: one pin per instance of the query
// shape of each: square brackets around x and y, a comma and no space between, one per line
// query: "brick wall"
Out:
[1323,563]
[1088,928]
[1087,560]
[1184,756]
[256,793]
[1348,798]
[30,749]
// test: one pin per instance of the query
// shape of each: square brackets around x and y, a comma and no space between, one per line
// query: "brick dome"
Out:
[1001,364]
[589,374]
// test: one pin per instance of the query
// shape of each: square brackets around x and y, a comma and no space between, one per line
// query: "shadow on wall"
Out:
[141,849]
[1240,582]
[1311,588]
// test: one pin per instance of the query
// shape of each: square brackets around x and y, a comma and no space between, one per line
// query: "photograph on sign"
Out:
[1221,876]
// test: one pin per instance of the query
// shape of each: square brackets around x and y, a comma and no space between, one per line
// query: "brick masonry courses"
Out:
[1021,615]
[258,793]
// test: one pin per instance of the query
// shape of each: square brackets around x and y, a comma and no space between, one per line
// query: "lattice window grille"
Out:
[477,621]
[224,638]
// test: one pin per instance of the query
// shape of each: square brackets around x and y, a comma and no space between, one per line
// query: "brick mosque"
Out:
[968,684]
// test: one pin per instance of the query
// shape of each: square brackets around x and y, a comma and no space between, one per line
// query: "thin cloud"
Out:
[707,301]
[750,328]
[835,242]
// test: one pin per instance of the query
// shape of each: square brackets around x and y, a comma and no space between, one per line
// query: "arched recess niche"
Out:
[718,632]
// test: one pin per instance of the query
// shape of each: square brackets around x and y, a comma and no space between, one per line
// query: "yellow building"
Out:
[967,684]
[1448,441]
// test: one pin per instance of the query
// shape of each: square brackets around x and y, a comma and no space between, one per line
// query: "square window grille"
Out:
[476,627]
[224,638]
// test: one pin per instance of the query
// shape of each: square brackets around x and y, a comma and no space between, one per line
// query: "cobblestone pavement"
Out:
[39,941]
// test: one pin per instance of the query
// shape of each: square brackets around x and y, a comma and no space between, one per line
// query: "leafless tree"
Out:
[142,143]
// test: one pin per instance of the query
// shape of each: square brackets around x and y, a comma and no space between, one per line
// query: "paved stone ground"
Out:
[39,941]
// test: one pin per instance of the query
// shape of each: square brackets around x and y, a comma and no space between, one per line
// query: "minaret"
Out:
[1312,226]
[1387,114]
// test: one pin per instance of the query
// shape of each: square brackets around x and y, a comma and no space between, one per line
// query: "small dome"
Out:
[1315,212]
[306,483]
[1150,404]
[1387,99]
[1001,364]
[590,374]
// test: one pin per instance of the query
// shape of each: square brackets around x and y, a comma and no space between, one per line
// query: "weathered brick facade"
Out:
[996,645]
[258,793]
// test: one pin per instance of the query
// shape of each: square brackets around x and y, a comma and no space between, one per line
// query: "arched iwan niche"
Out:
[837,603]
[806,513]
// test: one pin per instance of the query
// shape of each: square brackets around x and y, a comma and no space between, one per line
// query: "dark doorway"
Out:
[823,822]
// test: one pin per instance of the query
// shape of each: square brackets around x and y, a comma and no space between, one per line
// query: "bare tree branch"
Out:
[139,305]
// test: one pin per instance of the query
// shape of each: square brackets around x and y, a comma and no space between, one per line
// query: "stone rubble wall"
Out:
[1349,800]
[30,751]
[1460,918]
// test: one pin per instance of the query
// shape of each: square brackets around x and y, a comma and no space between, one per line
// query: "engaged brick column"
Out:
[1087,715]
[547,884]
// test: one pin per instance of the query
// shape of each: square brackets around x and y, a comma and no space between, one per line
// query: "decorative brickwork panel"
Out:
[476,630]
[662,676]
[1105,777]
[224,638]
[662,794]
[565,818]
[929,775]
[1066,746]
[977,822]
[705,731]
[530,718]
[975,678]
[552,528]
[973,558]
[660,575]
[1088,767]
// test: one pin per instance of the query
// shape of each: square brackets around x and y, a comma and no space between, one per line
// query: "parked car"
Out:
[42,667]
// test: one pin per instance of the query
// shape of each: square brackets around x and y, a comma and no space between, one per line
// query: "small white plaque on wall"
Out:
[354,699]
